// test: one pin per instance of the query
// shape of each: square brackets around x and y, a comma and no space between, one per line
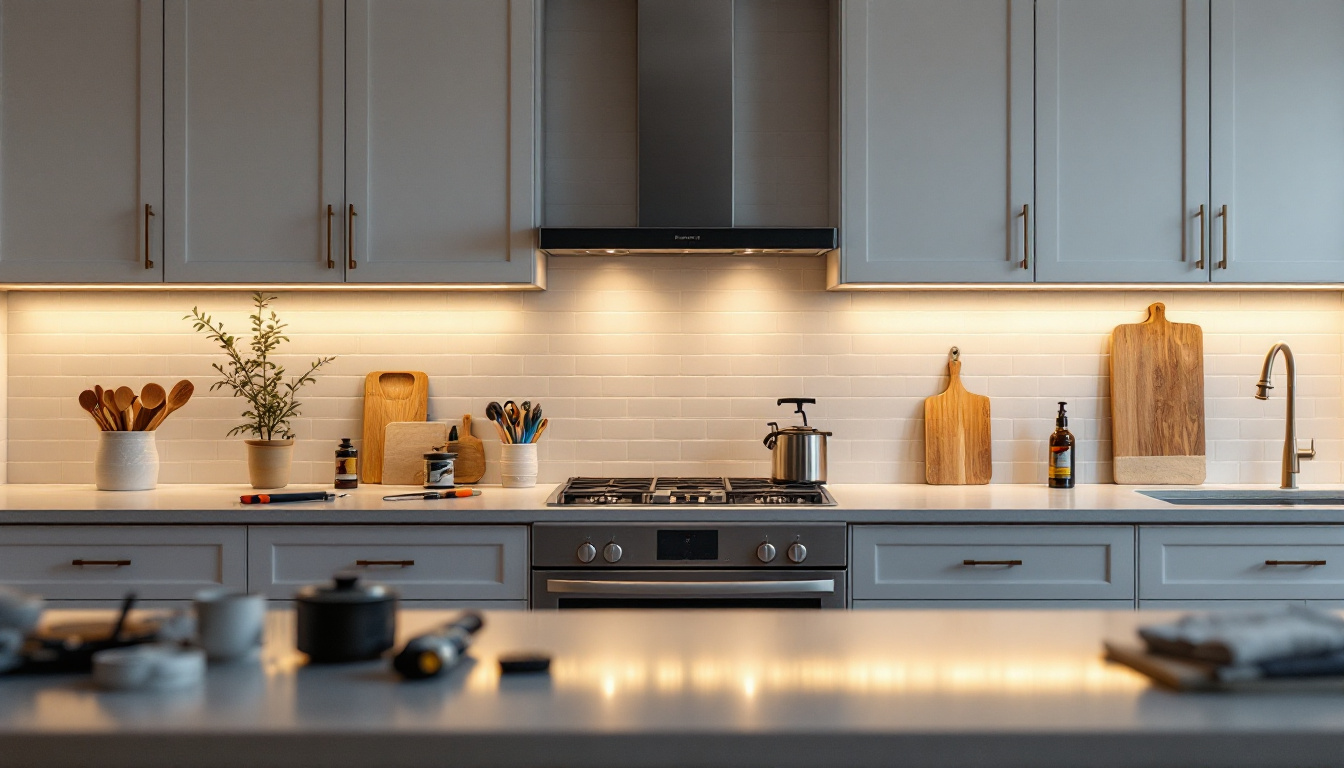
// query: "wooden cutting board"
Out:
[389,396]
[470,464]
[1157,401]
[404,447]
[957,447]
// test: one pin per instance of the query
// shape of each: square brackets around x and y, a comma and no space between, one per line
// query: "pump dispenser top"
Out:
[1062,420]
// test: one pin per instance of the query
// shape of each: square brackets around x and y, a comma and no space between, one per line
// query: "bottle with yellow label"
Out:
[1061,452]
[347,465]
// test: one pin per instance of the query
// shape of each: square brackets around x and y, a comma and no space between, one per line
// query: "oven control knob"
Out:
[766,552]
[586,552]
[612,552]
[797,552]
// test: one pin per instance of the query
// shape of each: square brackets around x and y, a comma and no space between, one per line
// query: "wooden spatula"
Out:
[957,447]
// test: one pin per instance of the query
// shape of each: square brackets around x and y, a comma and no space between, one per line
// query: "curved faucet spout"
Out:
[1292,456]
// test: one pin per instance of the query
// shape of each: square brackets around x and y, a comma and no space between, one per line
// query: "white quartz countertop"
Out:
[674,688]
[1020,504]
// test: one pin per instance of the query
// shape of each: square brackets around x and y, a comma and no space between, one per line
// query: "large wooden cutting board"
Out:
[389,396]
[1157,401]
[957,446]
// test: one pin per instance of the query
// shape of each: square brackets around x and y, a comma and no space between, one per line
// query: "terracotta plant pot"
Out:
[268,462]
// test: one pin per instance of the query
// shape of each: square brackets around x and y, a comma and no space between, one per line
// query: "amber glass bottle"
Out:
[347,465]
[1061,452]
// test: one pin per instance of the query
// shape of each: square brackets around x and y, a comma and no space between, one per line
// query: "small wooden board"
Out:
[1157,401]
[957,446]
[389,396]
[404,450]
[1183,674]
[470,464]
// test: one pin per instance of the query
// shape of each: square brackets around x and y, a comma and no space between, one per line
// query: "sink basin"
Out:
[1250,498]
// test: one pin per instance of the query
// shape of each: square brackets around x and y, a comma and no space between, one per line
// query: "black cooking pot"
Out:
[346,620]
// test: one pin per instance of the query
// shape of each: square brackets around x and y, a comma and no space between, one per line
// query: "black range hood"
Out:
[685,155]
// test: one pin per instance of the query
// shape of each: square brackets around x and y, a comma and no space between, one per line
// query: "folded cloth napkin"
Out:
[1243,639]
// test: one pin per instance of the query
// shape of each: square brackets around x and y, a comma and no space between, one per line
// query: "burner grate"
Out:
[683,491]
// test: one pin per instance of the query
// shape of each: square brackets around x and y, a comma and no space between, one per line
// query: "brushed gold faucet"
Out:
[1292,455]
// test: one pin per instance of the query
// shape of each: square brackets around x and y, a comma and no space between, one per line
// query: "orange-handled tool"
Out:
[451,493]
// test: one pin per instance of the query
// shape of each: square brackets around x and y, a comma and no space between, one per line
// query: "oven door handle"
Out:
[686,588]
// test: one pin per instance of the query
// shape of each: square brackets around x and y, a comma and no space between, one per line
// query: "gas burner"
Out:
[686,491]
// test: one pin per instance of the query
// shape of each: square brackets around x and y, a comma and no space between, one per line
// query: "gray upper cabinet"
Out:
[1278,141]
[441,141]
[1122,141]
[936,149]
[254,114]
[80,141]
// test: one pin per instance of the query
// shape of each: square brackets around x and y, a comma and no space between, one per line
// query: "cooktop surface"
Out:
[660,491]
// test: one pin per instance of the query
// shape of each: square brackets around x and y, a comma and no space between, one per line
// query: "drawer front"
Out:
[994,605]
[1242,562]
[420,562]
[106,562]
[1005,562]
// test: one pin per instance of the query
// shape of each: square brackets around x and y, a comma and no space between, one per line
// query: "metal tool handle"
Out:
[113,563]
[350,236]
[399,563]
[1009,563]
[1222,212]
[331,211]
[149,213]
[1307,454]
[686,588]
[1294,562]
[1203,234]
[1026,235]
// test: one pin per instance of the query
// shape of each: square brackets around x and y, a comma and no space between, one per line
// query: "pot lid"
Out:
[345,588]
[796,430]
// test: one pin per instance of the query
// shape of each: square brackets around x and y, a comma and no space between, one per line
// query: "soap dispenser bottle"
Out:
[1061,452]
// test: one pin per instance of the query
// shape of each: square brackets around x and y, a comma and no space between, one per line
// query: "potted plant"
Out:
[261,382]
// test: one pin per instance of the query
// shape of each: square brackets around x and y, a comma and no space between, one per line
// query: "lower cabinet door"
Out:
[996,562]
[1241,562]
[995,605]
[442,562]
[86,562]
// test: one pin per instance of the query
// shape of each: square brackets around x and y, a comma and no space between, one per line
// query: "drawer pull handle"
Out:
[399,563]
[991,562]
[113,563]
[1294,562]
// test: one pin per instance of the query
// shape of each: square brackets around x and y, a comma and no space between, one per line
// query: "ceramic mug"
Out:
[229,625]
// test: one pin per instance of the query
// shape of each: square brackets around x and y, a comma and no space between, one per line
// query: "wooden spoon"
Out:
[89,402]
[110,409]
[125,398]
[152,398]
[176,399]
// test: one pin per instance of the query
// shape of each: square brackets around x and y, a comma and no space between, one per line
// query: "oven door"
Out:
[683,588]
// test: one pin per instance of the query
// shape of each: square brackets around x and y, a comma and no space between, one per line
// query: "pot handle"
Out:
[798,402]
[774,433]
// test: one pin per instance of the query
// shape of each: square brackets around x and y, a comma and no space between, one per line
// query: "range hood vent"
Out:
[685,155]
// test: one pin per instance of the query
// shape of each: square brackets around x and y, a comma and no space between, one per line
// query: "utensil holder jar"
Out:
[518,465]
[126,461]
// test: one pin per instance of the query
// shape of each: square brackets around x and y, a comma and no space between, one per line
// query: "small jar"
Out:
[439,469]
[347,465]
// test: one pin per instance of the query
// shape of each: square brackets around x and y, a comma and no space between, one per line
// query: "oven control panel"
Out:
[689,545]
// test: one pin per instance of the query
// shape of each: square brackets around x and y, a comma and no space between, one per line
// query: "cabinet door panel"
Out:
[441,140]
[80,140]
[937,140]
[1278,139]
[254,109]
[1122,147]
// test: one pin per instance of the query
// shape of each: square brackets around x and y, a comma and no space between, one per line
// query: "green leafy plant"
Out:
[256,378]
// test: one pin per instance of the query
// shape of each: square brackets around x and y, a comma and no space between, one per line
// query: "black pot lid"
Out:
[345,588]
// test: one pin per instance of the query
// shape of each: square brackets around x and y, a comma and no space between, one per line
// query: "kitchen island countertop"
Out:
[742,688]
[872,503]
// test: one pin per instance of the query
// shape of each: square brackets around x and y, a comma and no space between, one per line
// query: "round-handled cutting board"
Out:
[957,445]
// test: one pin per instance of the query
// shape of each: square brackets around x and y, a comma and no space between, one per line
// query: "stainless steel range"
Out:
[668,562]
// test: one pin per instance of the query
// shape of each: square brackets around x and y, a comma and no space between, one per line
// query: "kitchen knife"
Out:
[280,498]
[452,493]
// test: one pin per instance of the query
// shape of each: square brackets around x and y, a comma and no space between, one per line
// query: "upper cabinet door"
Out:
[1122,141]
[254,140]
[80,141]
[1278,141]
[441,141]
[936,111]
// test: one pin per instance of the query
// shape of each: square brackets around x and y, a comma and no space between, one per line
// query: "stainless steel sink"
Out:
[1274,497]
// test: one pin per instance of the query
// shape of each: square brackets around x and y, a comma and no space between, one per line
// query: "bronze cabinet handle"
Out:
[1203,233]
[400,563]
[149,212]
[1026,235]
[1294,562]
[1009,563]
[350,236]
[1223,213]
[113,563]
[330,212]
